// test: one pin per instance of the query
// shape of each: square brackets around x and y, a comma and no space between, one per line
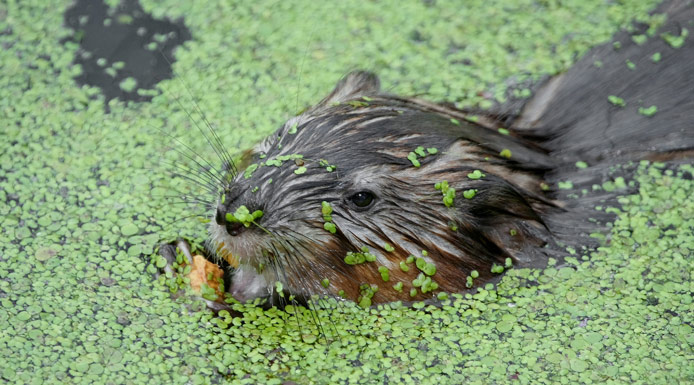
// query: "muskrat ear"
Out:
[352,86]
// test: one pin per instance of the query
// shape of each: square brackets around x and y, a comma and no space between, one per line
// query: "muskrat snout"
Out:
[232,228]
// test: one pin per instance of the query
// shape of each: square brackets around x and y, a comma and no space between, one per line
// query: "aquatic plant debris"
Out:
[244,216]
[86,197]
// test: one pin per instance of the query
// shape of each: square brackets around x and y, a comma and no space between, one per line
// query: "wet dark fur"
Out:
[368,135]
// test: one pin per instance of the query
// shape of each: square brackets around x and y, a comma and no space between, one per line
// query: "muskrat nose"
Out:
[235,227]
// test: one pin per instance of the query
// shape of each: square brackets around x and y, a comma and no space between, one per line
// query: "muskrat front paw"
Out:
[204,277]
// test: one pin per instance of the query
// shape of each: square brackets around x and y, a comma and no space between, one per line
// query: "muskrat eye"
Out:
[362,199]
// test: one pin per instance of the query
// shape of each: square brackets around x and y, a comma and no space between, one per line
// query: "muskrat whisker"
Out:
[278,267]
[211,176]
[211,188]
[185,200]
[218,146]
[180,199]
[176,220]
[288,244]
[261,227]
[194,157]
[210,172]
[300,276]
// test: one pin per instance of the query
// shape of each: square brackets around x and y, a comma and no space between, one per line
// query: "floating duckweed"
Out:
[207,292]
[417,282]
[474,274]
[128,84]
[656,57]
[255,189]
[508,262]
[366,292]
[506,153]
[639,39]
[567,185]
[328,167]
[455,121]
[413,292]
[365,249]
[448,192]
[649,111]
[442,296]
[477,174]
[357,103]
[398,287]
[503,131]
[326,210]
[366,98]
[249,170]
[385,273]
[469,282]
[429,269]
[342,294]
[581,164]
[449,197]
[46,343]
[388,247]
[404,267]
[278,288]
[357,258]
[325,283]
[426,284]
[354,258]
[453,226]
[300,170]
[425,253]
[630,64]
[420,151]
[620,183]
[412,157]
[420,263]
[279,160]
[513,232]
[244,216]
[544,186]
[293,128]
[676,41]
[616,100]
[410,259]
[469,194]
[329,226]
[497,269]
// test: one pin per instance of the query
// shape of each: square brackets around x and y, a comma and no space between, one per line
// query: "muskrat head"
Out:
[379,198]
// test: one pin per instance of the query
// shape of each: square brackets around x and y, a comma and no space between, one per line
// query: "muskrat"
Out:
[376,198]
[357,184]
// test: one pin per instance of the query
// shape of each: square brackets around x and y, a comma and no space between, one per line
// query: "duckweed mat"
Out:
[86,195]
